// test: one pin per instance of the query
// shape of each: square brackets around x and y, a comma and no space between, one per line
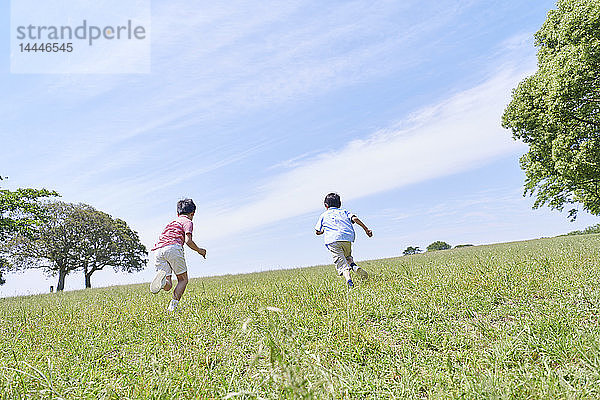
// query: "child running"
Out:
[169,252]
[336,225]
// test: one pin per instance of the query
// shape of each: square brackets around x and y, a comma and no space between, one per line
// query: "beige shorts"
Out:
[170,259]
[342,255]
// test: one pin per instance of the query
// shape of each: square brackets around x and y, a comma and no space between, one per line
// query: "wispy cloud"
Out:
[244,57]
[455,135]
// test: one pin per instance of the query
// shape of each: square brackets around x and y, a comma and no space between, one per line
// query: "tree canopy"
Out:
[21,211]
[556,110]
[438,245]
[411,250]
[107,242]
[79,237]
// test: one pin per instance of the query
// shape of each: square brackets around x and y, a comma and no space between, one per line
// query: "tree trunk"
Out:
[62,273]
[87,273]
[86,277]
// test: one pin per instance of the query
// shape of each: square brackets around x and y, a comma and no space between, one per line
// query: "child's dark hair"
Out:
[333,200]
[185,206]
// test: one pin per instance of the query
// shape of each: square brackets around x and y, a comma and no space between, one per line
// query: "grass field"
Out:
[516,320]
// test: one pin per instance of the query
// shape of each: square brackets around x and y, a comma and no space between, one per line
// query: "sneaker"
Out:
[173,305]
[159,281]
[350,284]
[362,273]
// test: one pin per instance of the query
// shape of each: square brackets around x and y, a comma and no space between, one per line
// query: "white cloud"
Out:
[456,135]
[228,59]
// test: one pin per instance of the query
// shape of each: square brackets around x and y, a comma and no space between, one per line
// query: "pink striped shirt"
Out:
[174,232]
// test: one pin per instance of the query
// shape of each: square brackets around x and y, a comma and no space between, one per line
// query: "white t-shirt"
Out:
[336,224]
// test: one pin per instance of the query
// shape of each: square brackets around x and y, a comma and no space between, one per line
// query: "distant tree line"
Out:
[39,232]
[589,230]
[435,246]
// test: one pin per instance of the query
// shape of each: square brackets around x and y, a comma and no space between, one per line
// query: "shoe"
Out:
[158,282]
[350,284]
[173,305]
[362,273]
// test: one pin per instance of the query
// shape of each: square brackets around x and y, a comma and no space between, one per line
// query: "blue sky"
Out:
[257,109]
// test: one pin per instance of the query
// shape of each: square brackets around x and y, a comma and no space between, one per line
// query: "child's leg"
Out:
[339,258]
[348,254]
[363,274]
[346,275]
[162,269]
[351,262]
[169,284]
[182,281]
[179,268]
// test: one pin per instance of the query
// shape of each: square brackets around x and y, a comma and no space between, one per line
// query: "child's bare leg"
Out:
[346,274]
[182,281]
[169,284]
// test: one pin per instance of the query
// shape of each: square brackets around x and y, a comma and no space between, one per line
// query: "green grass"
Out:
[516,320]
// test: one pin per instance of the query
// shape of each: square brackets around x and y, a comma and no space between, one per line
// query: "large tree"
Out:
[79,237]
[107,242]
[20,212]
[556,111]
[51,246]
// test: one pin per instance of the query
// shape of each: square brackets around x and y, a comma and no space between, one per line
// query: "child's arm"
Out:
[193,246]
[362,225]
[319,226]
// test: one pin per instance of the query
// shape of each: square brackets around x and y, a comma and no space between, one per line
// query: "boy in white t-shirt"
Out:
[336,226]
[168,252]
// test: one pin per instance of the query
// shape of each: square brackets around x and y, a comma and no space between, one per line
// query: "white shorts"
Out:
[170,259]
